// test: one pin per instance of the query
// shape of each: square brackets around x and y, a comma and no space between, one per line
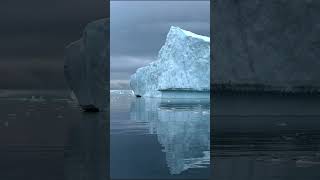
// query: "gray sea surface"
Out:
[266,137]
[45,135]
[159,138]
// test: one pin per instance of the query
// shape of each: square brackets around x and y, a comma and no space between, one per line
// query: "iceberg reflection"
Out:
[182,127]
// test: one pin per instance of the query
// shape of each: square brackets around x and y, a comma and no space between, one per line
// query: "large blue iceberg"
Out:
[182,68]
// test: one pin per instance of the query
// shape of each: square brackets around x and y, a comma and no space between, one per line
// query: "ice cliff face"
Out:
[86,66]
[183,64]
[274,43]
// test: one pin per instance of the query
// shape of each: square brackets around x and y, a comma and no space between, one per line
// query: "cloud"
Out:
[164,26]
[31,74]
[36,27]
[122,67]
[128,63]
[119,84]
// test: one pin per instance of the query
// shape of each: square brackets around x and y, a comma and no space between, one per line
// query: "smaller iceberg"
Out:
[86,66]
[182,69]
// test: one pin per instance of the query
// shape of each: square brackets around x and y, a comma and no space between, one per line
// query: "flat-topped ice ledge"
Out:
[190,34]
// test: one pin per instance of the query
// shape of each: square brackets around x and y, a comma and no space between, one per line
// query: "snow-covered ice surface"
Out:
[183,66]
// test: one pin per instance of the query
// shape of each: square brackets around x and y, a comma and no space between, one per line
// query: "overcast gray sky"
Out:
[139,28]
[33,36]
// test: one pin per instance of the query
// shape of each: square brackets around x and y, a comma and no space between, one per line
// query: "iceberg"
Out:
[181,70]
[263,46]
[86,66]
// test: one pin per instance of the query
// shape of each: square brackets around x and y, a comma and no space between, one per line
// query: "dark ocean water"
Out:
[44,135]
[159,138]
[266,137]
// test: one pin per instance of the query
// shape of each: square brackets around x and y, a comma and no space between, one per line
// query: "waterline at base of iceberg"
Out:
[168,94]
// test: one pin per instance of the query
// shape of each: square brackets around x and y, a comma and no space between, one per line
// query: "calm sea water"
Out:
[159,138]
[266,137]
[44,135]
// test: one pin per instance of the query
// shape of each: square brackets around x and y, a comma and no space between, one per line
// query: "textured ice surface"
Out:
[86,66]
[266,43]
[183,64]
